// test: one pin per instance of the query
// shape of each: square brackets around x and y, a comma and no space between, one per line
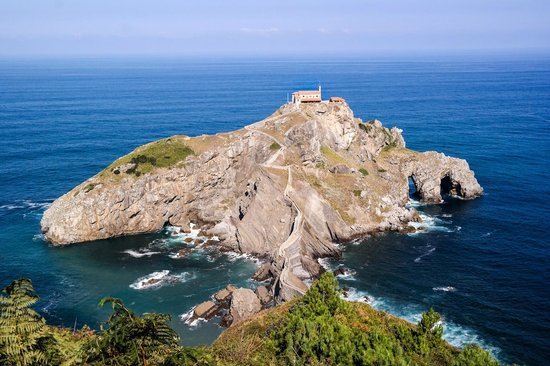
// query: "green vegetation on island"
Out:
[318,329]
[159,154]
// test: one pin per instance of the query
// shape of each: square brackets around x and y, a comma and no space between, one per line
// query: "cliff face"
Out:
[287,187]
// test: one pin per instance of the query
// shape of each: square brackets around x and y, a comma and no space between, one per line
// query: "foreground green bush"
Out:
[318,329]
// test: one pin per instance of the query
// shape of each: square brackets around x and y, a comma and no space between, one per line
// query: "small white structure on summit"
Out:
[307,96]
[313,96]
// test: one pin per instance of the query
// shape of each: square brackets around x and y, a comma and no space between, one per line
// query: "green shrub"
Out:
[131,339]
[274,146]
[159,154]
[363,171]
[310,329]
[89,187]
[380,170]
[318,329]
[357,192]
[473,355]
[22,336]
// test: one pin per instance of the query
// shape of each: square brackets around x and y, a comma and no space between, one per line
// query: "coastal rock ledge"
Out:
[286,188]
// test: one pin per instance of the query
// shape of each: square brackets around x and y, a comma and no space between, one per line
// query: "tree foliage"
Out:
[21,327]
[319,329]
[130,339]
[473,355]
[324,329]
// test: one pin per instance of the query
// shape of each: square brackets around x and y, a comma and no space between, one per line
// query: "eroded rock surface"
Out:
[206,310]
[286,188]
[244,303]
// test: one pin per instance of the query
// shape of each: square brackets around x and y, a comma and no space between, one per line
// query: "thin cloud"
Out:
[260,30]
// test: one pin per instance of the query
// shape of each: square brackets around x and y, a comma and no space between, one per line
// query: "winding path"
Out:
[290,249]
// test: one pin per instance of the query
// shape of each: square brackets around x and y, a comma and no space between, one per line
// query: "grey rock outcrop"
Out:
[223,295]
[263,295]
[244,303]
[267,189]
[206,310]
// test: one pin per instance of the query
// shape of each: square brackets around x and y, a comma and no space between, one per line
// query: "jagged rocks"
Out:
[263,273]
[250,188]
[341,169]
[313,267]
[341,271]
[206,310]
[233,304]
[244,303]
[224,294]
[263,294]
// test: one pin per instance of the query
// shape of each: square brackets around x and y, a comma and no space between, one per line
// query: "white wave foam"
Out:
[355,295]
[430,224]
[430,248]
[38,237]
[11,207]
[152,280]
[455,334]
[444,289]
[158,279]
[190,320]
[349,275]
[140,253]
[460,336]
[357,241]
[328,264]
[27,204]
[415,203]
[177,236]
[176,255]
[234,256]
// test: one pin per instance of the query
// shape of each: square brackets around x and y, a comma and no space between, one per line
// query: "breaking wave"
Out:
[140,253]
[161,278]
[431,224]
[445,289]
[174,238]
[27,204]
[348,275]
[415,203]
[430,250]
[329,264]
[25,207]
[189,320]
[234,256]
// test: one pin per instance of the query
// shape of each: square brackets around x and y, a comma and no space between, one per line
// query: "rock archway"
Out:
[450,187]
[413,190]
[435,176]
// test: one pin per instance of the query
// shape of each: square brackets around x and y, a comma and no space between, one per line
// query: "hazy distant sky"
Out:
[261,27]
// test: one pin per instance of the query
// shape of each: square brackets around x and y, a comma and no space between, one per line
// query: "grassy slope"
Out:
[248,343]
[159,154]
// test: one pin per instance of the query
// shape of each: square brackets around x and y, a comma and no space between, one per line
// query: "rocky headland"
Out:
[287,189]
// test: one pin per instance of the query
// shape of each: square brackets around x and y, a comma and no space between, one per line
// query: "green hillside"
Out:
[318,329]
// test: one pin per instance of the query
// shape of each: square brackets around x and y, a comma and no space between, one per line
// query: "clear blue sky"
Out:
[261,27]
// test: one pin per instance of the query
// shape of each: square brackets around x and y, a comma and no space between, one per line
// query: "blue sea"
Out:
[483,264]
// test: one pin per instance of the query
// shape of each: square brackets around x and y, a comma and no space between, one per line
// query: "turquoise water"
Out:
[483,264]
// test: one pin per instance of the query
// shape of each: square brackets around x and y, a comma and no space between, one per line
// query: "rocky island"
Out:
[287,189]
